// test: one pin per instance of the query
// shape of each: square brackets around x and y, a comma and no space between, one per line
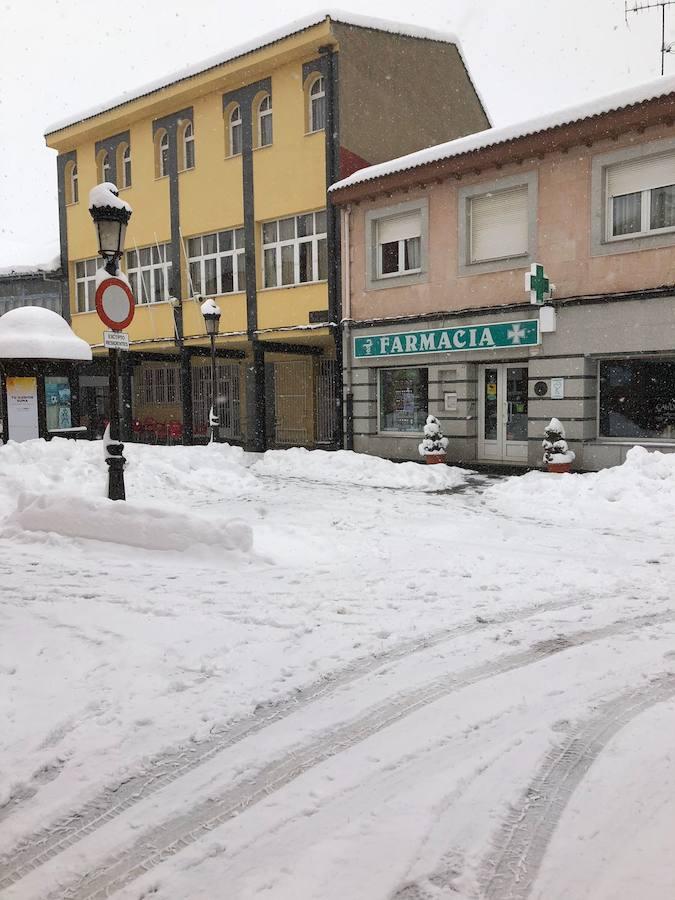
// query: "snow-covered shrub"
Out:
[555,446]
[433,442]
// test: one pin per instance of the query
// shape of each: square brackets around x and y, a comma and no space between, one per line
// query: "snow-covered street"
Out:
[311,676]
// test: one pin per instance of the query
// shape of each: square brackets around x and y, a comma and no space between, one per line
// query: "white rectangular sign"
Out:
[557,388]
[22,409]
[450,402]
[116,340]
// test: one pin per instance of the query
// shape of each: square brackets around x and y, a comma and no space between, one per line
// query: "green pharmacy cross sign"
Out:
[449,340]
[537,285]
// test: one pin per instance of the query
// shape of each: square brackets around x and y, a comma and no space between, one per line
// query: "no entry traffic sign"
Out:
[114,303]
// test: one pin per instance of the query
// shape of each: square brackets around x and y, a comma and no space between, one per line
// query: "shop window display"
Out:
[637,399]
[404,399]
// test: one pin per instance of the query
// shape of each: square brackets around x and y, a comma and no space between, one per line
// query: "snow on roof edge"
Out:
[43,268]
[271,37]
[491,137]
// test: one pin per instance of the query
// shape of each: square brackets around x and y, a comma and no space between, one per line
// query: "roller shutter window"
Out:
[498,225]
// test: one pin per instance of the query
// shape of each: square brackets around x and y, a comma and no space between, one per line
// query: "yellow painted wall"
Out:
[289,178]
[279,307]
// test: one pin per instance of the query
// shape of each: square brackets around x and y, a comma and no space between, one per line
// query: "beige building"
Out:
[437,318]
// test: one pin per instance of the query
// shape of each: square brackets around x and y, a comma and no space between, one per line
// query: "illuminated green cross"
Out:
[538,283]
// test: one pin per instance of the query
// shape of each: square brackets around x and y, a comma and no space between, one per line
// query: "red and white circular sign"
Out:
[115,303]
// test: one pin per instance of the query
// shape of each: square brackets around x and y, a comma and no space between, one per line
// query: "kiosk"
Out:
[40,357]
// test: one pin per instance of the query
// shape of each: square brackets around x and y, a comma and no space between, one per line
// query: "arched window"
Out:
[103,161]
[265,121]
[161,154]
[70,183]
[235,131]
[317,105]
[124,165]
[187,146]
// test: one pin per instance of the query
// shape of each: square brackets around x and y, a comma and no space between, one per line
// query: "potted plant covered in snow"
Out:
[433,444]
[557,455]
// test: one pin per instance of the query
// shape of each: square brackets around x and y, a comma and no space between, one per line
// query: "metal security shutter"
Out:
[498,225]
[641,175]
[400,228]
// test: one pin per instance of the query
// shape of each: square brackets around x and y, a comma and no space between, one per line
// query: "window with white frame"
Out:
[265,121]
[160,385]
[85,284]
[148,270]
[498,225]
[71,185]
[641,196]
[217,262]
[235,128]
[317,105]
[103,166]
[124,166]
[188,154]
[295,250]
[399,244]
[162,154]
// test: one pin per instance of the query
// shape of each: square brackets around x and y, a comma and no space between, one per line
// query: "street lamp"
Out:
[111,216]
[211,313]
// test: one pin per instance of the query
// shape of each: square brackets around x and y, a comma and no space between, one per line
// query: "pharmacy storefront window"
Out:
[57,397]
[404,399]
[637,399]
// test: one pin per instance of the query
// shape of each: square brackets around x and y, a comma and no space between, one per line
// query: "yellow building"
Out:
[226,168]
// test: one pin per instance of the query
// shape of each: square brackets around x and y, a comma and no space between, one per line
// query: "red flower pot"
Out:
[559,467]
[434,458]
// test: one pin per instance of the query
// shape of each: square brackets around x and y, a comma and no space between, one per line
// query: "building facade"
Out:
[226,169]
[33,286]
[437,318]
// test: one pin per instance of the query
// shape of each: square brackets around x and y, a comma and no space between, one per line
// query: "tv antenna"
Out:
[633,6]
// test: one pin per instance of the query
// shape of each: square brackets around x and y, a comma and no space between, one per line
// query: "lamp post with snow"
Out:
[115,307]
[211,313]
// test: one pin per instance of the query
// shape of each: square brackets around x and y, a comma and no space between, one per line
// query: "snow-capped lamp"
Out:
[557,455]
[433,444]
[111,217]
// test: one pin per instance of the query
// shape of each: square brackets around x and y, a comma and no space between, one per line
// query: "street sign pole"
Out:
[115,307]
[115,448]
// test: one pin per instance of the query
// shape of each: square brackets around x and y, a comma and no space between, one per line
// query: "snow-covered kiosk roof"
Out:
[32,332]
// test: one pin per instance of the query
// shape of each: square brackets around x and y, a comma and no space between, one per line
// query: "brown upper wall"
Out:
[565,211]
[387,82]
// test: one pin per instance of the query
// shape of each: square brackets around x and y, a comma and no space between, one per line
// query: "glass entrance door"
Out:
[502,413]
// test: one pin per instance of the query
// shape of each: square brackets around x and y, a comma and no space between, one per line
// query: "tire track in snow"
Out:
[510,871]
[165,768]
[162,841]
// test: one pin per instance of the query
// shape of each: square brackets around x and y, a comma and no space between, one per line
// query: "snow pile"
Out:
[32,332]
[105,195]
[131,524]
[210,308]
[640,492]
[197,475]
[347,467]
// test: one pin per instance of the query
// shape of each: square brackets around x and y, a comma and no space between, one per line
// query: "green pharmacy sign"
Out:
[449,340]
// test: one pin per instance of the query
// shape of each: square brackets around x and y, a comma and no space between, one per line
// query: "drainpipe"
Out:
[346,334]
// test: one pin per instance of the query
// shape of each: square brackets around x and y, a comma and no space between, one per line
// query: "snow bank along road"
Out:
[392,693]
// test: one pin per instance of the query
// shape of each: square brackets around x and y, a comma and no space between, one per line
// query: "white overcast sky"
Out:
[60,56]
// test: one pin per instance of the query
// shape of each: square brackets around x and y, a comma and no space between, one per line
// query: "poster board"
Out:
[22,409]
